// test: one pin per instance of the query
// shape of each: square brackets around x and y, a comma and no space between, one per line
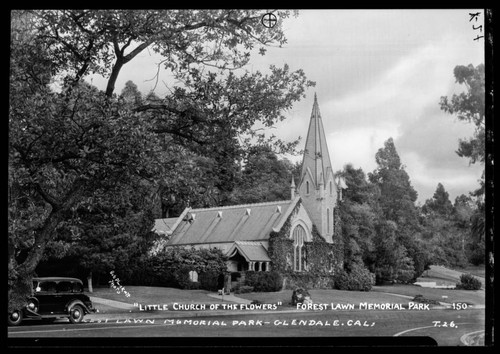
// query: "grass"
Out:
[155,295]
[378,294]
[445,276]
[326,296]
[452,295]
[478,271]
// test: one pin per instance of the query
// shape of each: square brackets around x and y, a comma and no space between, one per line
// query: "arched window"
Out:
[331,188]
[328,220]
[298,236]
[193,276]
[333,220]
[307,187]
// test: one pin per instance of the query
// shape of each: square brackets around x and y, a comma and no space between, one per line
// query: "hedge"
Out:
[264,281]
[469,282]
[358,278]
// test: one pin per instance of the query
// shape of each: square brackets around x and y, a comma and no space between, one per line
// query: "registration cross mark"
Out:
[269,20]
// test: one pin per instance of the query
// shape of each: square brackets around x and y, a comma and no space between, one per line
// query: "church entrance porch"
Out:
[246,256]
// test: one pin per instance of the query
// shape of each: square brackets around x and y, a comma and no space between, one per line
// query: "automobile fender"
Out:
[77,302]
[28,311]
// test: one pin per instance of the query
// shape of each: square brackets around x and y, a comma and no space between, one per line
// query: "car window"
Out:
[76,287]
[48,286]
[64,287]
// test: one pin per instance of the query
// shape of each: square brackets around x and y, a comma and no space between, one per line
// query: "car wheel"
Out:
[15,318]
[76,314]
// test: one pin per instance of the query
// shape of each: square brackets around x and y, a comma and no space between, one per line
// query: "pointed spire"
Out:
[315,110]
[316,157]
[292,189]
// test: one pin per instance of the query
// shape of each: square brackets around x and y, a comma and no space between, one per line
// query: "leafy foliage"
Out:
[397,205]
[439,204]
[470,107]
[264,281]
[83,163]
[469,282]
[263,177]
[448,230]
[171,266]
[358,278]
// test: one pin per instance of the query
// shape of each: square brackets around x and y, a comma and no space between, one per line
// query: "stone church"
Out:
[278,235]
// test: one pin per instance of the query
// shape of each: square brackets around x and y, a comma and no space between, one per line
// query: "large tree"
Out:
[469,106]
[397,196]
[397,203]
[439,203]
[445,233]
[263,178]
[359,212]
[70,144]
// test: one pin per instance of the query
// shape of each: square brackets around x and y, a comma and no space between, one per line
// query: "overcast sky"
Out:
[378,74]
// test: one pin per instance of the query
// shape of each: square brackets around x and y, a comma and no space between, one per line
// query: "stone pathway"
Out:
[111,303]
[231,298]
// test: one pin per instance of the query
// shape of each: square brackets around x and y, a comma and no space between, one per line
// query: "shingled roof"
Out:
[251,250]
[247,222]
[164,226]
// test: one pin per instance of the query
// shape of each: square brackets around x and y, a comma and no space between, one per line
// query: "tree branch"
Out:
[137,50]
[47,197]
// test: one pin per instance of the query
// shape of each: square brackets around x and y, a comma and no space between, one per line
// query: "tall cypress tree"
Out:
[397,203]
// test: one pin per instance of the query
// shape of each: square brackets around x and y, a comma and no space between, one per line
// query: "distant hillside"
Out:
[444,276]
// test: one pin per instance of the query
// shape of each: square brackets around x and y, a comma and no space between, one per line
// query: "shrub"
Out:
[424,300]
[171,266]
[264,281]
[208,280]
[469,282]
[359,278]
[243,289]
[193,285]
[181,275]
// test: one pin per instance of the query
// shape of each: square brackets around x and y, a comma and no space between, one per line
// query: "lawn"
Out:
[327,296]
[155,295]
[476,297]
[378,294]
[445,276]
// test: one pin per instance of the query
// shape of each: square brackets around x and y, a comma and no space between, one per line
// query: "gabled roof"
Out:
[316,157]
[252,251]
[164,226]
[246,222]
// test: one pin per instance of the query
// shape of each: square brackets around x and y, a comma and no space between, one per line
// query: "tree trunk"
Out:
[20,284]
[110,88]
[43,236]
[89,281]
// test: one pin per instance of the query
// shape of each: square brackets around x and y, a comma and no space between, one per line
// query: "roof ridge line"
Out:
[241,205]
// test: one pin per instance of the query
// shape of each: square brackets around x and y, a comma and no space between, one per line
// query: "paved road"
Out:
[454,327]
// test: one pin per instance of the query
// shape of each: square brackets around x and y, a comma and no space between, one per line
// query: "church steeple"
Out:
[316,157]
[317,187]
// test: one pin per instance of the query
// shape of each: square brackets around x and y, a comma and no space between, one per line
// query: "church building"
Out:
[294,237]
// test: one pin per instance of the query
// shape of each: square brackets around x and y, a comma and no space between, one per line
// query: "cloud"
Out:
[425,179]
[357,146]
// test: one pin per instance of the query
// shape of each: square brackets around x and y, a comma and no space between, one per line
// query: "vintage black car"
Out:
[54,297]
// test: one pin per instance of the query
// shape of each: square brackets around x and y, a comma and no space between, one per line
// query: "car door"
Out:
[45,293]
[64,295]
